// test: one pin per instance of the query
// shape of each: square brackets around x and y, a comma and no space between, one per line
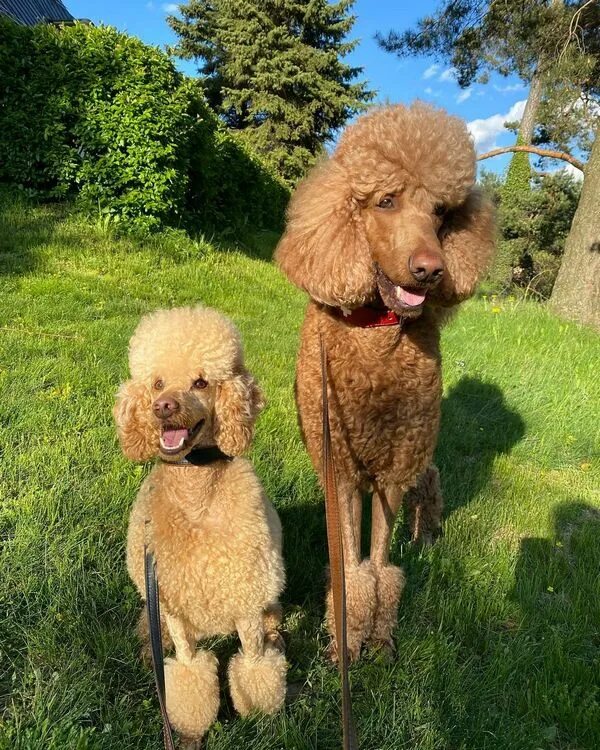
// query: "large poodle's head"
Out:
[392,217]
[189,387]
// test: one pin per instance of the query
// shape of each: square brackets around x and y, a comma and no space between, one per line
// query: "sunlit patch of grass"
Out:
[498,637]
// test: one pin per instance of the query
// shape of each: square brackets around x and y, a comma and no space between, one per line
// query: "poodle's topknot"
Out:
[421,144]
[180,338]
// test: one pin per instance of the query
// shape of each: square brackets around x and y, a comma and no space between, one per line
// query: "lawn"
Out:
[499,628]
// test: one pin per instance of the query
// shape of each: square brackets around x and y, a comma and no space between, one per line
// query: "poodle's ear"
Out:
[468,242]
[324,249]
[136,433]
[238,403]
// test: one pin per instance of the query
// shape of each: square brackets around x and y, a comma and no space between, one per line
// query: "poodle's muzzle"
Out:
[175,435]
[426,268]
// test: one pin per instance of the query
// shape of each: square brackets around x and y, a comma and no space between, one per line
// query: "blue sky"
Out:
[485,108]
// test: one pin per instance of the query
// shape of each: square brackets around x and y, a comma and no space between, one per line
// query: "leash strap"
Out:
[336,563]
[158,665]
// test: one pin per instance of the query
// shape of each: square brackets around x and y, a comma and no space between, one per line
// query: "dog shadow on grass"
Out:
[556,589]
[556,579]
[477,426]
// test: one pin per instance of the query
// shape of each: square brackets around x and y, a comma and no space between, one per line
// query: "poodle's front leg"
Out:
[191,683]
[257,673]
[183,640]
[360,581]
[390,578]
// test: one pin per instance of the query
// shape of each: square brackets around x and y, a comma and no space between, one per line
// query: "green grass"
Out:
[499,629]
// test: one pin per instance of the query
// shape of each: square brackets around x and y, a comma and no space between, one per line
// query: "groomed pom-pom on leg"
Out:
[361,600]
[257,673]
[192,693]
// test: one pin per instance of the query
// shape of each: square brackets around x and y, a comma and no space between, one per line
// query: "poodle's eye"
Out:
[158,384]
[200,383]
[439,209]
[387,202]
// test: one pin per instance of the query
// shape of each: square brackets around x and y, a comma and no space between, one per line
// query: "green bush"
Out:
[92,113]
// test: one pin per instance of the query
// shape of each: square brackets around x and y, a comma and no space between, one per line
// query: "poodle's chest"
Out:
[397,381]
[385,387]
[202,564]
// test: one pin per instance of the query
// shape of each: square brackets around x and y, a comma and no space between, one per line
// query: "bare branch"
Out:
[534,150]
[574,27]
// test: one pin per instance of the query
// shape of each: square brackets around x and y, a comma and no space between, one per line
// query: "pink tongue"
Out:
[172,438]
[410,298]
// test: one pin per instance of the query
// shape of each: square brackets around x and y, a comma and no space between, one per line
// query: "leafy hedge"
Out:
[93,113]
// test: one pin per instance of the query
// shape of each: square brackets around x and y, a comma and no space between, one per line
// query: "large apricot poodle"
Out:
[385,236]
[216,538]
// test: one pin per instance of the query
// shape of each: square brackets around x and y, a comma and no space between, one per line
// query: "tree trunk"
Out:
[529,119]
[576,293]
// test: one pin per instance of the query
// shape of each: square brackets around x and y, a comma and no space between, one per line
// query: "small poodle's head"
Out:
[189,387]
[392,217]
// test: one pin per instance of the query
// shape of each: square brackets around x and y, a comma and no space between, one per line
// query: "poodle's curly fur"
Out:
[215,536]
[400,184]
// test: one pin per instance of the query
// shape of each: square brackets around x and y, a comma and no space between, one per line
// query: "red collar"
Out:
[367,317]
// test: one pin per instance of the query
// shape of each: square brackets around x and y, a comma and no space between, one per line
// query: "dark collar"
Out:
[367,317]
[201,457]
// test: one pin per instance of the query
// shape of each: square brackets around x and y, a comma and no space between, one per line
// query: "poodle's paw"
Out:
[257,683]
[390,584]
[360,609]
[192,693]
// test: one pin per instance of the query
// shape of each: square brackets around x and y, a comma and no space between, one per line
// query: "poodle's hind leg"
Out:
[144,636]
[424,505]
[390,578]
[191,683]
[272,617]
[359,576]
[257,673]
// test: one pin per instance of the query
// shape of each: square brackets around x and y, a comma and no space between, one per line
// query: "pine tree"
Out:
[530,38]
[273,70]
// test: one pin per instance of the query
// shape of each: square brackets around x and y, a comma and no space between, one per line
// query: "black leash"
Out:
[158,664]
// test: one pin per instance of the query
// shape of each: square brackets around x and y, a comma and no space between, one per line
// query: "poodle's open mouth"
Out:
[174,439]
[400,299]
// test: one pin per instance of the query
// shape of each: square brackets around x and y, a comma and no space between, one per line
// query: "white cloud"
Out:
[170,7]
[431,71]
[448,75]
[571,169]
[510,87]
[463,96]
[431,92]
[486,130]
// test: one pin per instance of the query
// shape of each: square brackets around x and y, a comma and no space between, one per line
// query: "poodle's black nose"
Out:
[426,266]
[164,407]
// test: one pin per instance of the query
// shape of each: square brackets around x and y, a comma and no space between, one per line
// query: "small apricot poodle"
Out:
[385,236]
[215,536]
